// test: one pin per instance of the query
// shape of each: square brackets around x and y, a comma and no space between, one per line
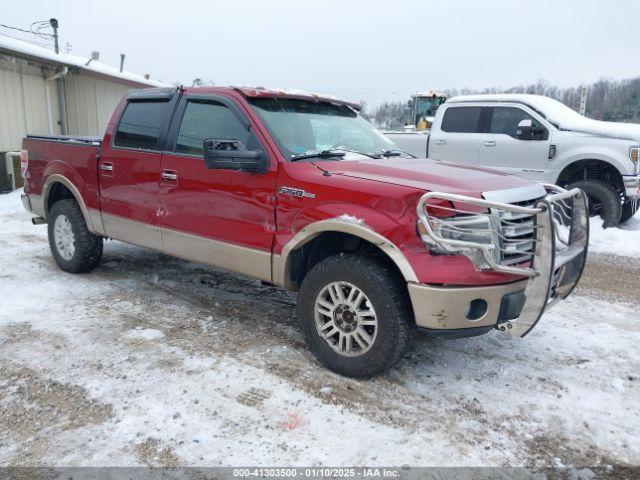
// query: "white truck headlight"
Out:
[634,153]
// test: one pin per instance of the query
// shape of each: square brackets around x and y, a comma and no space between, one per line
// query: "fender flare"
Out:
[94,222]
[281,264]
[567,163]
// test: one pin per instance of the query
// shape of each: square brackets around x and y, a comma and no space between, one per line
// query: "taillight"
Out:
[24,162]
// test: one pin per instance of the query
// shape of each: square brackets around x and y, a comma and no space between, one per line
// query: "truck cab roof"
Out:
[247,92]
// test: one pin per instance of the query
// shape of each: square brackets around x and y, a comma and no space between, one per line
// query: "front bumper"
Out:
[561,243]
[631,185]
[452,308]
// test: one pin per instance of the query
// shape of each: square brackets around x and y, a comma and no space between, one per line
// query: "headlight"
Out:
[634,153]
[476,229]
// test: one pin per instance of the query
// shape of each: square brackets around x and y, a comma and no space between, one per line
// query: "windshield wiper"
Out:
[329,153]
[393,153]
[322,154]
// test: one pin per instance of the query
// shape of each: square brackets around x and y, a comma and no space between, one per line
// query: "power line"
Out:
[37,33]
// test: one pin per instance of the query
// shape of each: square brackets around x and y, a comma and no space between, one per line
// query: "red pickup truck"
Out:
[300,191]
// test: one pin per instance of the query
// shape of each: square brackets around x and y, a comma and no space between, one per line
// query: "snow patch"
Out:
[623,240]
[144,334]
[618,384]
[350,218]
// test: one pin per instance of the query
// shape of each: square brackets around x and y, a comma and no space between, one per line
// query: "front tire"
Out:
[74,248]
[604,201]
[355,314]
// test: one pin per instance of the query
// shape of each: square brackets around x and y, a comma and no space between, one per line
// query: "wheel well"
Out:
[326,244]
[58,191]
[592,170]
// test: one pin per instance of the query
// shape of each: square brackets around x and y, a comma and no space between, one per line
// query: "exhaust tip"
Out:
[38,221]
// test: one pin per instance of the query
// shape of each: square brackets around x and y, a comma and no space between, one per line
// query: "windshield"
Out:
[303,127]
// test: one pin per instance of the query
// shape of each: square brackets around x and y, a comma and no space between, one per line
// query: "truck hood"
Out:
[428,175]
[623,131]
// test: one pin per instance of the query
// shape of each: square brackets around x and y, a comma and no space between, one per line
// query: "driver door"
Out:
[224,218]
[502,149]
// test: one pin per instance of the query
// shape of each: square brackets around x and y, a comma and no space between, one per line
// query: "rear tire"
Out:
[74,248]
[365,304]
[629,209]
[604,201]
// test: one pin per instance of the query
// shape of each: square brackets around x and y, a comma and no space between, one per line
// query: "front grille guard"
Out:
[560,241]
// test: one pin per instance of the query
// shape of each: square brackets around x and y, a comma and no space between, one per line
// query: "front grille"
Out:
[517,234]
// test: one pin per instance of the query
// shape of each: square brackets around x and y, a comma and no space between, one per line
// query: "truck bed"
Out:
[73,158]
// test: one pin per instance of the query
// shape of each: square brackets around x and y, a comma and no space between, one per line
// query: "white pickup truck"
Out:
[541,139]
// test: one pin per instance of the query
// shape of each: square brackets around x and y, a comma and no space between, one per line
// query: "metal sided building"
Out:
[31,99]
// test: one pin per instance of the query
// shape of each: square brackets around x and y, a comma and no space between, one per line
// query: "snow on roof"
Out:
[20,47]
[559,114]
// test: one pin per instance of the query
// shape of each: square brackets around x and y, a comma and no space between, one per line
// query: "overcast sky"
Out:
[357,49]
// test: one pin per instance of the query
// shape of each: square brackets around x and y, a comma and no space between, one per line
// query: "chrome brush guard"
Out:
[545,240]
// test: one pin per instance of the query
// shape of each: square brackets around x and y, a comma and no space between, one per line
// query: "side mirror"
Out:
[530,133]
[232,155]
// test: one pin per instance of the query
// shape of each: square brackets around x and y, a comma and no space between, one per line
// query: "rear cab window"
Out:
[141,124]
[461,120]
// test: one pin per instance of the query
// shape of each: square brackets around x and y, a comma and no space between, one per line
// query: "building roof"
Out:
[20,48]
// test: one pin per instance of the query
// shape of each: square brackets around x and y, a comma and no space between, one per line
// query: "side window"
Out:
[140,125]
[505,120]
[202,121]
[461,120]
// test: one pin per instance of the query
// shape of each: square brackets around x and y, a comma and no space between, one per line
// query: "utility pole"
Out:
[62,100]
[583,100]
[54,24]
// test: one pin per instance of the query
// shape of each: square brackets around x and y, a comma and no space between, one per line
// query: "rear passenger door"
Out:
[503,149]
[457,137]
[224,218]
[129,169]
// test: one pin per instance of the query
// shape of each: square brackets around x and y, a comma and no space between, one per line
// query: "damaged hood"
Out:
[428,175]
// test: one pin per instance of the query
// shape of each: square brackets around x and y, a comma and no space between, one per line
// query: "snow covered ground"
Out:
[624,240]
[150,360]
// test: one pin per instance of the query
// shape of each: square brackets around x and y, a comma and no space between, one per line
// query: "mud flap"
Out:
[561,253]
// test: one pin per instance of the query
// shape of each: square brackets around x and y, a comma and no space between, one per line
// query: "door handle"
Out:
[489,143]
[439,142]
[106,167]
[170,175]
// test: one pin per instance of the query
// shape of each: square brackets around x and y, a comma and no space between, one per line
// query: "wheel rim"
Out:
[64,238]
[345,319]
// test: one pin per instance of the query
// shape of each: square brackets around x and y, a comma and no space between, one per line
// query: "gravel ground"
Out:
[150,360]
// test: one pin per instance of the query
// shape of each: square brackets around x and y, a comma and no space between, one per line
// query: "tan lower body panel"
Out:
[130,231]
[445,308]
[235,258]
